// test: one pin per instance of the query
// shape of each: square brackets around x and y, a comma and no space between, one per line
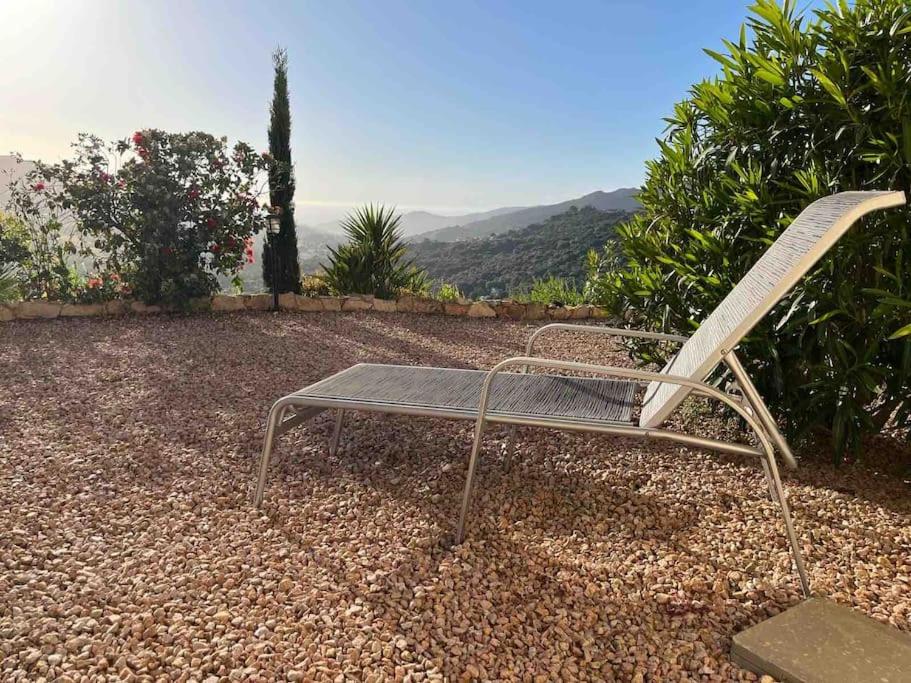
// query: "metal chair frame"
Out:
[749,407]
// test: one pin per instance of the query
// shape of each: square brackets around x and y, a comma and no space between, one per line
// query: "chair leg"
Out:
[276,414]
[337,433]
[469,480]
[772,468]
[768,480]
[511,445]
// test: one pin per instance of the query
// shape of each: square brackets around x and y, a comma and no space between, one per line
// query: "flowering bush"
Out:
[166,212]
[100,287]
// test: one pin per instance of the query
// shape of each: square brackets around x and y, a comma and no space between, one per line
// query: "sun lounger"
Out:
[609,401]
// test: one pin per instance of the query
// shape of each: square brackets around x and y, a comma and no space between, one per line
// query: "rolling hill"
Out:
[623,199]
[417,222]
[503,263]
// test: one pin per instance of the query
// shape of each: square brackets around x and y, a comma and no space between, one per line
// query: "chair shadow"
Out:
[536,491]
[430,579]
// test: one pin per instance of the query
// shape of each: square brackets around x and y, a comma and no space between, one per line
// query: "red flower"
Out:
[115,277]
[143,153]
[211,222]
[121,183]
[215,248]
[193,193]
[138,138]
[38,187]
[93,282]
[167,251]
[231,242]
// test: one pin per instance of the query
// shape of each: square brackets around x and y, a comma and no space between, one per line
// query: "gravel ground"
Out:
[130,547]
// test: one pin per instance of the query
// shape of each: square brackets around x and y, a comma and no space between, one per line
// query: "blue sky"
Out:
[448,106]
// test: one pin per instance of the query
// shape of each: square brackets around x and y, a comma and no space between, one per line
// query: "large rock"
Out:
[257,302]
[29,310]
[558,313]
[116,307]
[511,310]
[405,303]
[481,309]
[425,305]
[142,308]
[331,303]
[534,311]
[81,310]
[226,302]
[7,313]
[600,312]
[357,303]
[309,304]
[287,301]
[200,304]
[385,305]
[450,308]
[580,312]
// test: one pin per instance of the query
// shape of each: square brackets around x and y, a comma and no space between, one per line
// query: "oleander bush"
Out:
[164,213]
[803,107]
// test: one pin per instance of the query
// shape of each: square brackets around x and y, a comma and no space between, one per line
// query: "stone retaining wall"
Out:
[511,310]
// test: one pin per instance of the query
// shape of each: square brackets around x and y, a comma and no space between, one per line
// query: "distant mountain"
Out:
[623,199]
[417,222]
[501,264]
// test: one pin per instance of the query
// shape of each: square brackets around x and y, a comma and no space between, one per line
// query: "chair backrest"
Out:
[801,245]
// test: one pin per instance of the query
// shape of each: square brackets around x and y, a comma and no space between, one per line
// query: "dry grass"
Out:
[130,547]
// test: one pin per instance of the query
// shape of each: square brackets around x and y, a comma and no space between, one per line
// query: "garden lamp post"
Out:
[275,225]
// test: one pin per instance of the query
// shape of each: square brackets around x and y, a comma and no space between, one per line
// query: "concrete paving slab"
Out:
[821,641]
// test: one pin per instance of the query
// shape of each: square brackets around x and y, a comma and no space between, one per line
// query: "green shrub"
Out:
[800,110]
[373,260]
[448,293]
[552,291]
[314,285]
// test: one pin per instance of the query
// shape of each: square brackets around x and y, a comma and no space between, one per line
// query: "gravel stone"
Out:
[130,548]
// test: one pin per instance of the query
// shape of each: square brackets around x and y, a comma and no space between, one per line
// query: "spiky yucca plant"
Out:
[9,286]
[373,261]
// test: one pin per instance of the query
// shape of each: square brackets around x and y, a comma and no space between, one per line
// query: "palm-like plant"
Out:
[373,261]
[9,286]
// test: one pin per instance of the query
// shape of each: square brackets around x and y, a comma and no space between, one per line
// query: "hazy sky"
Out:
[448,105]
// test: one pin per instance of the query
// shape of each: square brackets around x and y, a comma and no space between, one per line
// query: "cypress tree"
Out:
[281,184]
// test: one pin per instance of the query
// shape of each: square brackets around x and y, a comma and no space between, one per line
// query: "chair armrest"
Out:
[641,376]
[596,329]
